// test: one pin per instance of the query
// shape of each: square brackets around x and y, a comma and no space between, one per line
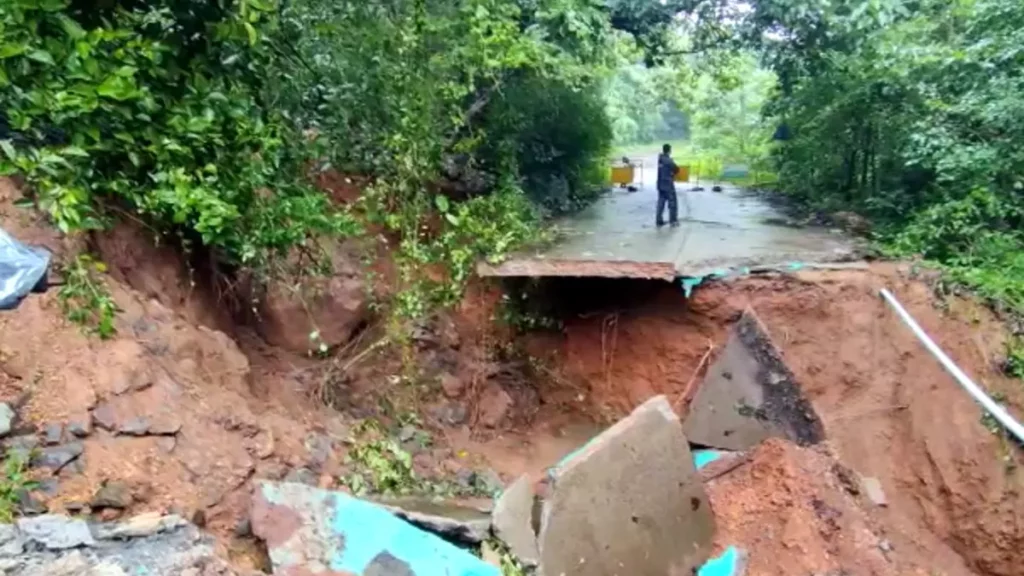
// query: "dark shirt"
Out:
[667,170]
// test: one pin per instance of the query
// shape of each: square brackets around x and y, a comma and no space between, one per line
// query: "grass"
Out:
[15,480]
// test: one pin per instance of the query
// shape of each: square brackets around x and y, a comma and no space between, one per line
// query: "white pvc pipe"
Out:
[997,411]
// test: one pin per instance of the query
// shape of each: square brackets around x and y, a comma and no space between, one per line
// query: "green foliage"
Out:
[15,481]
[84,297]
[380,465]
[123,113]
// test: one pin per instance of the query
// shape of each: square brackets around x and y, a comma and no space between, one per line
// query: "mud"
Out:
[250,410]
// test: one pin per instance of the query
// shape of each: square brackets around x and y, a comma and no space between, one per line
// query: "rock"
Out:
[165,425]
[453,414]
[302,476]
[494,405]
[77,507]
[138,426]
[512,521]
[103,416]
[452,385]
[109,514]
[167,443]
[55,532]
[750,395]
[262,445]
[331,307]
[456,523]
[113,494]
[49,487]
[199,517]
[309,530]
[28,504]
[52,433]
[628,502]
[243,529]
[11,543]
[21,446]
[7,416]
[872,488]
[57,457]
[885,546]
[407,433]
[80,428]
[319,447]
[140,526]
[271,470]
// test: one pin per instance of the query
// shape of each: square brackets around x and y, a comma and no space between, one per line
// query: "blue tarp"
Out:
[21,270]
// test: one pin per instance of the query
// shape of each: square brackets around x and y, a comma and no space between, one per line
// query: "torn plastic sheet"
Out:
[22,269]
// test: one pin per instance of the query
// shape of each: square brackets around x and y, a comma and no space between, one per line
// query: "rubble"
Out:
[873,490]
[628,502]
[456,523]
[513,521]
[309,531]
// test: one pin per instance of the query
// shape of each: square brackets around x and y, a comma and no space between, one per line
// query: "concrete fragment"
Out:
[454,522]
[7,416]
[140,526]
[873,490]
[628,502]
[512,520]
[55,532]
[80,428]
[312,531]
[750,395]
[103,416]
[11,542]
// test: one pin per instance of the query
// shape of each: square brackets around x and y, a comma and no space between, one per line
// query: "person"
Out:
[667,171]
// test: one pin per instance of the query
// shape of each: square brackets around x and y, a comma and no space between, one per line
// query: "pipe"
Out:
[997,411]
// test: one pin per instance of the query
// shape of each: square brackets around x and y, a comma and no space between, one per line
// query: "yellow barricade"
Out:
[622,175]
[683,175]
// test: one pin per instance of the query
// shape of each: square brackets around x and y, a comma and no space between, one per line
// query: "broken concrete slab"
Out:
[750,395]
[456,523]
[628,502]
[311,531]
[55,532]
[512,521]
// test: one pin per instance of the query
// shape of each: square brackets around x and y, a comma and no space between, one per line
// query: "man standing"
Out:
[667,171]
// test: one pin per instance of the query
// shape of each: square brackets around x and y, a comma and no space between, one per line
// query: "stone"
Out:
[11,543]
[109,514]
[167,443]
[28,504]
[164,425]
[512,520]
[452,385]
[55,532]
[302,476]
[7,417]
[319,447]
[885,546]
[79,428]
[113,494]
[138,426]
[243,529]
[314,531]
[140,526]
[271,470]
[103,416]
[872,488]
[456,523]
[494,405]
[453,414]
[57,457]
[21,446]
[52,433]
[406,433]
[628,502]
[750,395]
[49,487]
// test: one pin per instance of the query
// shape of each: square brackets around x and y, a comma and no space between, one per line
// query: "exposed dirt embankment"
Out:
[889,409]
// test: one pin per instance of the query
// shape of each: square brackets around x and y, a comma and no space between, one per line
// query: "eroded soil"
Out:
[242,409]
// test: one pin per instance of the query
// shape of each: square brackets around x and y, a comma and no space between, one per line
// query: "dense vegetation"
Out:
[207,120]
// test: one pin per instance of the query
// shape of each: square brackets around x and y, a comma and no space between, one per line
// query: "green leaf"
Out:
[251,31]
[8,149]
[71,28]
[9,50]
[442,203]
[116,87]
[41,56]
[4,80]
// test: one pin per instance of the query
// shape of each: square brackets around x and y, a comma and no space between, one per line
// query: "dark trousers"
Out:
[667,196]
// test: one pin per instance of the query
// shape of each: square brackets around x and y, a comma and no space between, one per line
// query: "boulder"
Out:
[512,521]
